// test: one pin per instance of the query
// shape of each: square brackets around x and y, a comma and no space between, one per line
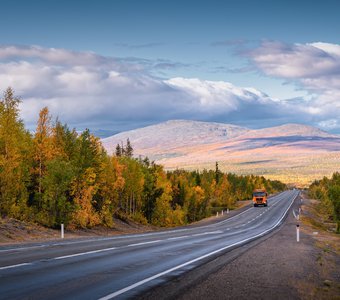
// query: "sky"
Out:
[117,65]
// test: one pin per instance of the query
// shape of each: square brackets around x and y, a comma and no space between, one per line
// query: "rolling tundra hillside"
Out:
[293,153]
[174,134]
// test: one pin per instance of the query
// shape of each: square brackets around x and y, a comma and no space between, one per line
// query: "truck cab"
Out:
[260,197]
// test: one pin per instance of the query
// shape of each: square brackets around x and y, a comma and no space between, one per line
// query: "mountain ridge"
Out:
[184,130]
[290,152]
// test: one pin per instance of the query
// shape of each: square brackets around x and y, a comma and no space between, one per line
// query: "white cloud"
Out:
[217,96]
[332,49]
[297,60]
[329,124]
[314,67]
[88,90]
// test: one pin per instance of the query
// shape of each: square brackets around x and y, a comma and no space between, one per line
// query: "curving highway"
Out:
[124,266]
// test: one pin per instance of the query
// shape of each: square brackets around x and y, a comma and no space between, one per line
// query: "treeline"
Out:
[328,192]
[56,175]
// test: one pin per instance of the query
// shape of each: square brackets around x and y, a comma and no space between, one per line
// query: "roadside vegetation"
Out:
[56,175]
[327,191]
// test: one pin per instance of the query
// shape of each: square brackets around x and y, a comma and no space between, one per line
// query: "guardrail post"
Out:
[62,231]
[297,233]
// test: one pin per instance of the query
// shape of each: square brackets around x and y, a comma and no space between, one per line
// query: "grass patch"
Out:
[314,223]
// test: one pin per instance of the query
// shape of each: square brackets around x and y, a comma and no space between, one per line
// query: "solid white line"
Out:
[139,283]
[84,253]
[15,266]
[143,243]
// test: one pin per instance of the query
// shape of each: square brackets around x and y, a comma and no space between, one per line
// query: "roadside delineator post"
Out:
[222,212]
[297,233]
[62,231]
[227,210]
[217,214]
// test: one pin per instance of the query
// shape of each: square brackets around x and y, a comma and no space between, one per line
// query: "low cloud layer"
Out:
[88,90]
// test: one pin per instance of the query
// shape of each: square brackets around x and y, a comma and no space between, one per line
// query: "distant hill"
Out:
[294,153]
[174,134]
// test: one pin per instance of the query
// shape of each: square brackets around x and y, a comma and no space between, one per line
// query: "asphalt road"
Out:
[126,266]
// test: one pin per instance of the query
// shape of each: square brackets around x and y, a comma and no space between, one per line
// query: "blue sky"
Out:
[118,65]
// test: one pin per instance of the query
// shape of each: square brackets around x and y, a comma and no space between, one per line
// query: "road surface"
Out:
[124,266]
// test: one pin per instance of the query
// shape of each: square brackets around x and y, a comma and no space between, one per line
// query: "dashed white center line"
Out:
[144,243]
[84,253]
[206,233]
[178,237]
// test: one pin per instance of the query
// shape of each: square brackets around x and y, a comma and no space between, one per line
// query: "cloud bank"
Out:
[314,67]
[88,90]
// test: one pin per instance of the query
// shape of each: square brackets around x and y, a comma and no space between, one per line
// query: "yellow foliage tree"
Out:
[43,147]
[14,157]
[83,190]
[111,184]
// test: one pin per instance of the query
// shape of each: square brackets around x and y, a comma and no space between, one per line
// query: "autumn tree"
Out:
[133,188]
[15,147]
[150,193]
[83,191]
[111,185]
[118,150]
[56,205]
[85,185]
[128,149]
[43,150]
[224,193]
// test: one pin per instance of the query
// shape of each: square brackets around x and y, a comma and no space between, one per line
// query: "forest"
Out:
[327,190]
[56,175]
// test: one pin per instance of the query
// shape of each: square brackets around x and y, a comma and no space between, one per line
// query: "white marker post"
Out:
[222,212]
[297,233]
[62,231]
[217,214]
[227,210]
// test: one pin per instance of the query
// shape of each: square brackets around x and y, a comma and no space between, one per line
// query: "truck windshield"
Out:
[259,194]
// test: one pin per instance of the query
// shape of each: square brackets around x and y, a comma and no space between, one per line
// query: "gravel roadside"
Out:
[274,267]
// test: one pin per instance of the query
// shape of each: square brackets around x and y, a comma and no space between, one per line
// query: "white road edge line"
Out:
[139,283]
[15,266]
